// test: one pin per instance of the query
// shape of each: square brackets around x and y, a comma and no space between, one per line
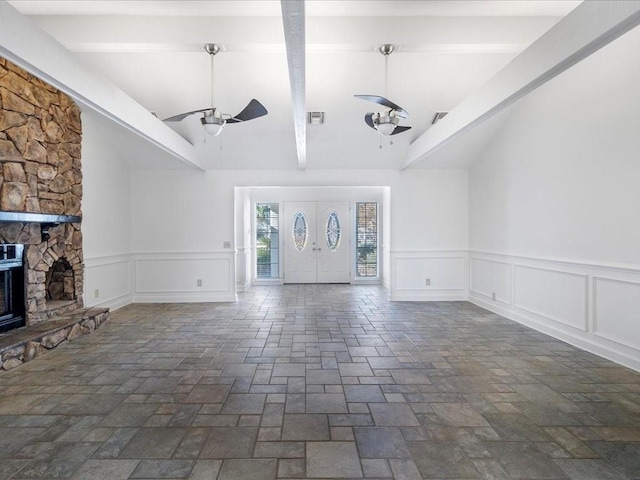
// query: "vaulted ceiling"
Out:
[153,51]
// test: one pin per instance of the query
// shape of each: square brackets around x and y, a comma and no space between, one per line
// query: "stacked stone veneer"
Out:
[40,172]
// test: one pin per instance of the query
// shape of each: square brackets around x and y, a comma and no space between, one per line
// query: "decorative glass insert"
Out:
[333,231]
[299,231]
[267,241]
[367,239]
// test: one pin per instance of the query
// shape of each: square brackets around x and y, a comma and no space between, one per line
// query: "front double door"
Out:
[316,242]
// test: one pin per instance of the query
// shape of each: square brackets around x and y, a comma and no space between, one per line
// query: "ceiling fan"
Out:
[212,120]
[386,123]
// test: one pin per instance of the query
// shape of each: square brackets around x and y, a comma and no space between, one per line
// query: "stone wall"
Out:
[40,172]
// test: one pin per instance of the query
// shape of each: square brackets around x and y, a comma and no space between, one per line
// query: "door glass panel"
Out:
[299,231]
[333,231]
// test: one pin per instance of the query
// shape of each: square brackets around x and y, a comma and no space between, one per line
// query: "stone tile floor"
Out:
[318,382]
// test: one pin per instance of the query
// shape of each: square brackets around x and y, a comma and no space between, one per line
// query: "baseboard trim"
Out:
[182,297]
[428,297]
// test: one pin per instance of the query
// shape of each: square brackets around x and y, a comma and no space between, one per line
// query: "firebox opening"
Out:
[60,281]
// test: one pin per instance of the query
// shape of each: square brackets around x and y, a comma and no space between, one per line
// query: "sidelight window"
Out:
[366,239]
[267,240]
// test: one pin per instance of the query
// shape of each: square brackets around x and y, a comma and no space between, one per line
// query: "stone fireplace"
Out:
[41,190]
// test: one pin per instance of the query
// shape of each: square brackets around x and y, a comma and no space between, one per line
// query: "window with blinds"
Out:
[267,240]
[366,239]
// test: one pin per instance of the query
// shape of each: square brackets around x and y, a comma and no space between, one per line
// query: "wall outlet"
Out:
[226,244]
[96,293]
[427,282]
[493,295]
[199,282]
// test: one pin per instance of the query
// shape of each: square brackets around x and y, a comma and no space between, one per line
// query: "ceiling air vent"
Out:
[438,116]
[315,118]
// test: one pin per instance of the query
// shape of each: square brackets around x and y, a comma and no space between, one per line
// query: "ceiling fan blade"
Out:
[400,112]
[368,119]
[399,129]
[182,116]
[253,110]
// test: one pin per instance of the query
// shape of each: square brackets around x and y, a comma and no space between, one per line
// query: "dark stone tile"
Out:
[625,456]
[158,385]
[230,442]
[393,414]
[589,469]
[323,377]
[248,469]
[516,427]
[61,462]
[129,415]
[106,470]
[326,403]
[522,460]
[333,460]
[250,403]
[442,460]
[279,450]
[192,442]
[363,393]
[163,469]
[238,370]
[305,427]
[381,442]
[112,447]
[208,394]
[153,443]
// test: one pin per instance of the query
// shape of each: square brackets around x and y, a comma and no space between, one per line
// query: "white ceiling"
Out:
[153,51]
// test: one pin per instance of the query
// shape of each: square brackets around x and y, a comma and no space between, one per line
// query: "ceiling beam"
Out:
[588,28]
[294,35]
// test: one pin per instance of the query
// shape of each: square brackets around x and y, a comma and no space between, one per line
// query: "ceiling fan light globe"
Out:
[385,125]
[212,124]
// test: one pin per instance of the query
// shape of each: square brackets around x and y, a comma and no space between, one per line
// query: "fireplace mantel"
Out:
[45,220]
[38,218]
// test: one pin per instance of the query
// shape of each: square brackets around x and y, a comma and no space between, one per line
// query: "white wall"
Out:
[554,207]
[106,224]
[183,215]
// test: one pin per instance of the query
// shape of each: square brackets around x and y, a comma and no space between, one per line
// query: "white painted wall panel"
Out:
[617,310]
[444,273]
[488,277]
[553,294]
[179,274]
[447,272]
[110,279]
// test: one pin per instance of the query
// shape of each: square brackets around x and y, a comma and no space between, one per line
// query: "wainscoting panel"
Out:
[489,278]
[592,306]
[174,277]
[446,271]
[556,295]
[107,281]
[616,311]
